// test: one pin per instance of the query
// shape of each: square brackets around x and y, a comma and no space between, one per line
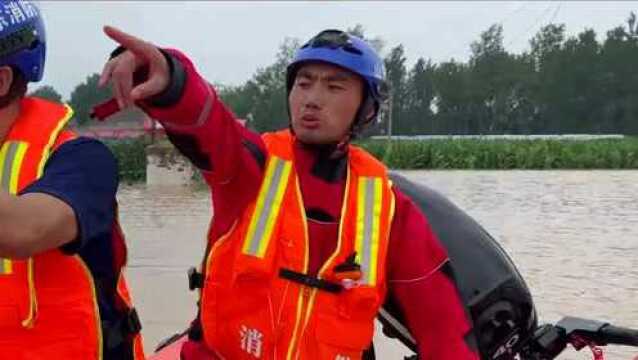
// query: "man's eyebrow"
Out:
[339,76]
[306,74]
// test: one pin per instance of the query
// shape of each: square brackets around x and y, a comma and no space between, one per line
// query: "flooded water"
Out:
[573,235]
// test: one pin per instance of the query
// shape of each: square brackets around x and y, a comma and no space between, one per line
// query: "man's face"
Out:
[323,101]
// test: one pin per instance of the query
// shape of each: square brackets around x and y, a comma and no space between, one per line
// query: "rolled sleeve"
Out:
[83,174]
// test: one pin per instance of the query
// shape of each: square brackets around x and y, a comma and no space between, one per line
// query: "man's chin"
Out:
[312,138]
[315,137]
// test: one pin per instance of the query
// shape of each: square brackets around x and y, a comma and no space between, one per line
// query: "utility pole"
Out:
[391,105]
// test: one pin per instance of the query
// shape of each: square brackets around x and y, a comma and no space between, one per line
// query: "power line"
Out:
[555,14]
[503,20]
[511,14]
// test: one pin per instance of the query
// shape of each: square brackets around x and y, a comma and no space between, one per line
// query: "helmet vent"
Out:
[352,50]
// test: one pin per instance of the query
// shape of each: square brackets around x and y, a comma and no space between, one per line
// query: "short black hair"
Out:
[17,90]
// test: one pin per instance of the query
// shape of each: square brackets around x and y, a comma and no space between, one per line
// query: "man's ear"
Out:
[6,79]
[369,110]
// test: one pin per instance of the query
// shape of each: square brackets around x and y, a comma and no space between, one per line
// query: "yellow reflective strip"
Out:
[338,250]
[6,266]
[52,138]
[259,208]
[208,266]
[216,245]
[270,223]
[96,307]
[3,158]
[374,241]
[361,206]
[345,208]
[272,206]
[365,209]
[16,166]
[33,301]
[297,331]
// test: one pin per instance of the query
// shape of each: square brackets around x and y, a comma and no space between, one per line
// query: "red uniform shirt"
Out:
[232,157]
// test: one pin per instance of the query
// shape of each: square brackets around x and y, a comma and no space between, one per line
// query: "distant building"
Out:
[128,124]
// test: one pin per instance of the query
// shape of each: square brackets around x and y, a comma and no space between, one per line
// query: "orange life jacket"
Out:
[257,301]
[48,306]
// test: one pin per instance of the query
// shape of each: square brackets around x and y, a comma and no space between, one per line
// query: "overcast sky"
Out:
[228,41]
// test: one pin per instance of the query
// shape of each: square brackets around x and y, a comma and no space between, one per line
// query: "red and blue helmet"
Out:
[22,38]
[349,52]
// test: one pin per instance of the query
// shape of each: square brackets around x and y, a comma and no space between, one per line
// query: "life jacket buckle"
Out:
[195,279]
[310,281]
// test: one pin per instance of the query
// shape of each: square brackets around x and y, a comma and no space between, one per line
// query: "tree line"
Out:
[561,84]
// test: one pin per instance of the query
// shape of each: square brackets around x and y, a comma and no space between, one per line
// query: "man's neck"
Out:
[8,116]
[322,161]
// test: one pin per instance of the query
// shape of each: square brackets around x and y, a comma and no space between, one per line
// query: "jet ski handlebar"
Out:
[550,340]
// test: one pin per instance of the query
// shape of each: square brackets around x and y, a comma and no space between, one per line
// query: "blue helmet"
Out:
[22,38]
[349,52]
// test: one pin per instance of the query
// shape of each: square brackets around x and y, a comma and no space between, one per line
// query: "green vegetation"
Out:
[507,154]
[453,154]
